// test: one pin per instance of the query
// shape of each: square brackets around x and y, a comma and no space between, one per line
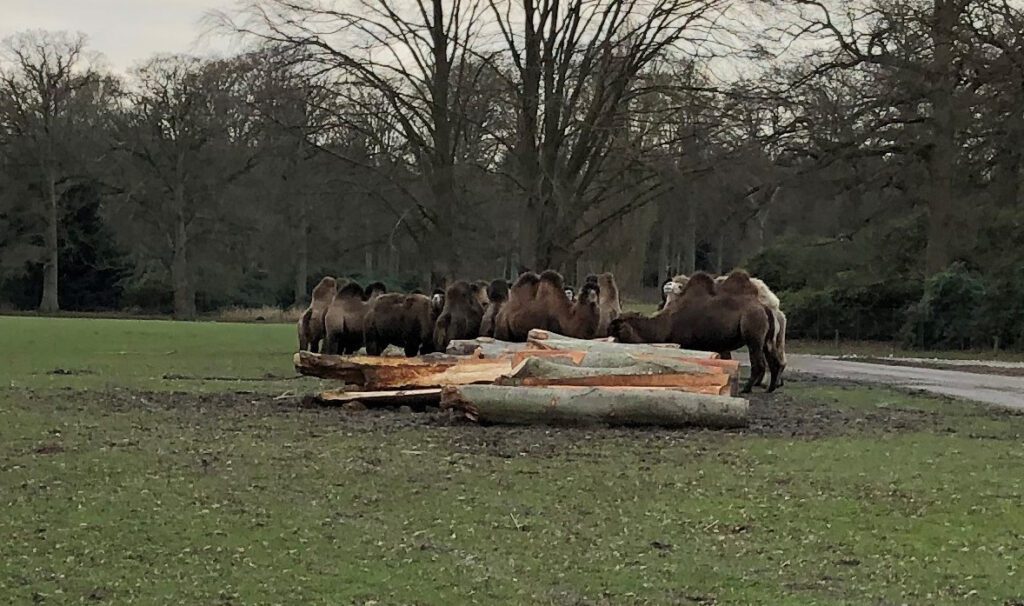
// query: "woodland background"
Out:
[863,157]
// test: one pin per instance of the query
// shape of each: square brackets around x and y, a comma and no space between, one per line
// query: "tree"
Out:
[413,56]
[47,90]
[574,70]
[187,137]
[918,44]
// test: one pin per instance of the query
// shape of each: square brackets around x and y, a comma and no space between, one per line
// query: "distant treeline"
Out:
[870,171]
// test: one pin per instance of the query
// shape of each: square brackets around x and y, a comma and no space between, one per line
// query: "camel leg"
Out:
[780,343]
[768,358]
[758,362]
[374,345]
[774,367]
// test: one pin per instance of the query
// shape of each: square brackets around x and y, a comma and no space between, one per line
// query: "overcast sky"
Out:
[124,31]
[127,32]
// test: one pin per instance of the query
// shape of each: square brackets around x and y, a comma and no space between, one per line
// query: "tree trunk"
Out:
[664,271]
[527,238]
[761,230]
[442,179]
[689,239]
[368,253]
[720,250]
[181,279]
[50,302]
[594,406]
[942,159]
[446,259]
[556,256]
[300,297]
[184,294]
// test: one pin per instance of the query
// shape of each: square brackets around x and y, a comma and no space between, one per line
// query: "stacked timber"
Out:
[550,379]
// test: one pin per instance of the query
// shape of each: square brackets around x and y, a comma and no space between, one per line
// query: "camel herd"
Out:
[697,312]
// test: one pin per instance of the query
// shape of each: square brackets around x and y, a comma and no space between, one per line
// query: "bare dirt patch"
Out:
[781,414]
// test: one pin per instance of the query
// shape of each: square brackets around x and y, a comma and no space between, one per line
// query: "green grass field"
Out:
[155,463]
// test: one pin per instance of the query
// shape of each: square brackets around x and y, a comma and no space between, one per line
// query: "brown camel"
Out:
[700,319]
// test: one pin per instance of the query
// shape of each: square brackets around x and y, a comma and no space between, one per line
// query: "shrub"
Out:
[947,314]
[1001,314]
[874,312]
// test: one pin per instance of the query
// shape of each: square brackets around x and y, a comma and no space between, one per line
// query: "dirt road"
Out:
[987,388]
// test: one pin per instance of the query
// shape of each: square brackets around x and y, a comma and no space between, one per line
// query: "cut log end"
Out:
[451,399]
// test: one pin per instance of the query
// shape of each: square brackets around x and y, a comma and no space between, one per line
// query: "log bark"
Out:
[627,406]
[373,372]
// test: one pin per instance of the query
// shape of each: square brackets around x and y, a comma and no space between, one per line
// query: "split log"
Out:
[613,358]
[555,367]
[387,398]
[594,406]
[626,358]
[372,372]
[670,374]
[544,339]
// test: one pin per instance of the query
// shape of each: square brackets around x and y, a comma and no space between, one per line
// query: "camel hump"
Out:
[738,283]
[700,283]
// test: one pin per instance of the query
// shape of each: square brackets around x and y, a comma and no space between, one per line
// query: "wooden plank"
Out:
[386,398]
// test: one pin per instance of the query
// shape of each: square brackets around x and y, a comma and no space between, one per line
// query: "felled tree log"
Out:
[372,372]
[663,373]
[544,339]
[386,398]
[612,355]
[594,406]
[625,357]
